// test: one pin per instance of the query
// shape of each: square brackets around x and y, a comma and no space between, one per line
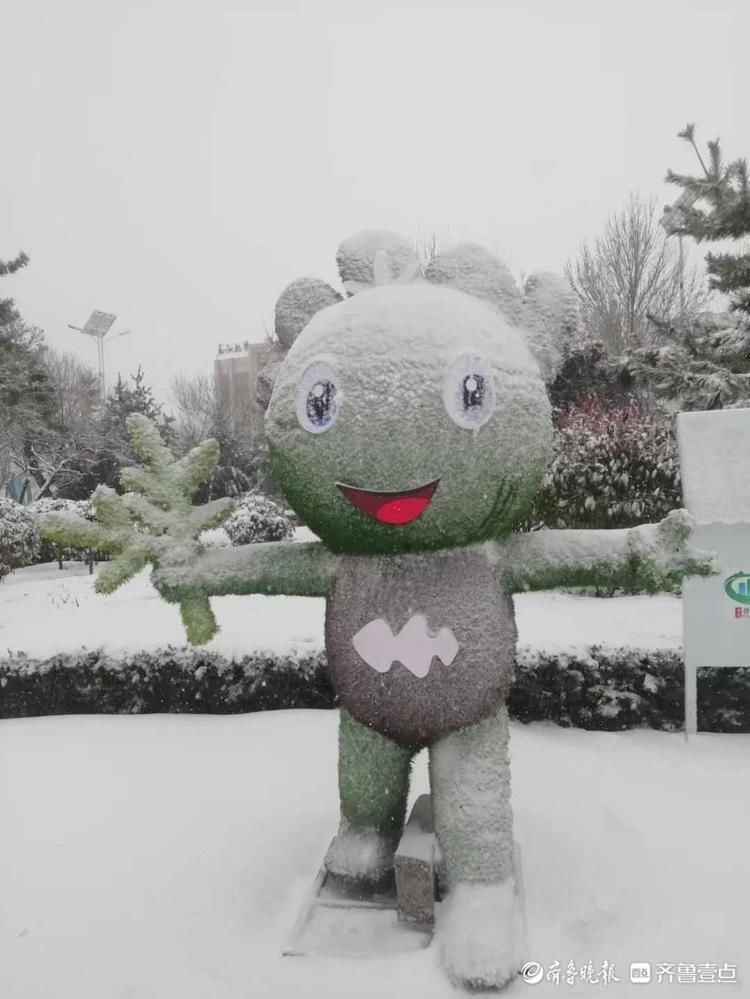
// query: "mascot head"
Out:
[412,414]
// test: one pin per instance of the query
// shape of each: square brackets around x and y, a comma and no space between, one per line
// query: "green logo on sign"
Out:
[738,587]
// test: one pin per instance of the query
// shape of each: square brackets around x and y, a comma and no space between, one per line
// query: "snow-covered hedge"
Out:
[168,680]
[602,689]
[257,518]
[19,541]
[613,467]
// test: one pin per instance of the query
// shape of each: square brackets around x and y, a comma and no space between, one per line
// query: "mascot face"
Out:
[408,418]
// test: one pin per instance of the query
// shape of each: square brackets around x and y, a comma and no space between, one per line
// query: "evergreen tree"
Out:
[26,400]
[136,397]
[34,440]
[111,452]
[704,364]
[11,266]
[8,311]
[716,206]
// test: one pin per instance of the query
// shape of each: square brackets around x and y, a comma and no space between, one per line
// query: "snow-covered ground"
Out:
[166,857]
[44,611]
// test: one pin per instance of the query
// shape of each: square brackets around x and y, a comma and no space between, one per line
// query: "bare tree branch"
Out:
[627,272]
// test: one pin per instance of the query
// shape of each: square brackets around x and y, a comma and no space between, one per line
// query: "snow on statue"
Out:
[410,428]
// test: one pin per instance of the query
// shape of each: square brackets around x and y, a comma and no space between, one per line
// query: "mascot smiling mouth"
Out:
[390,507]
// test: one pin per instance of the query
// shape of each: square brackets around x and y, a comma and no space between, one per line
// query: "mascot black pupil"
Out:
[319,402]
[473,391]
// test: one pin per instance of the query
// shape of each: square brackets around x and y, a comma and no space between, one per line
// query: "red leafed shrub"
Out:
[612,467]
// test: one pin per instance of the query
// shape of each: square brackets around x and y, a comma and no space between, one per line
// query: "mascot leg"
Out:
[373,787]
[479,927]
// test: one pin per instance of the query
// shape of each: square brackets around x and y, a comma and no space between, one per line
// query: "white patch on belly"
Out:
[414,645]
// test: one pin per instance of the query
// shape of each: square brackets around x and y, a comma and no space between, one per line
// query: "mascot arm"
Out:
[271,568]
[650,557]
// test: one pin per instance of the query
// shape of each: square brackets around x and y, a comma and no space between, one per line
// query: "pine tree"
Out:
[136,397]
[111,451]
[34,441]
[704,364]
[716,206]
[11,266]
[8,311]
[26,400]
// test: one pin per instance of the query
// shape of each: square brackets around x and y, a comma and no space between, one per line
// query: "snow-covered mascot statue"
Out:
[409,427]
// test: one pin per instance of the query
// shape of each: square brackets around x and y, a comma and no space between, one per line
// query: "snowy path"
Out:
[165,857]
[44,611]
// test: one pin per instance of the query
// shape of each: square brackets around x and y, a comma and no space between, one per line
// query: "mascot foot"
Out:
[361,854]
[479,934]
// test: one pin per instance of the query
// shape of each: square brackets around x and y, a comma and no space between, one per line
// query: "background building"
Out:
[236,369]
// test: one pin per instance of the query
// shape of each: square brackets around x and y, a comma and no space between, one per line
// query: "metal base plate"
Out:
[349,919]
[344,919]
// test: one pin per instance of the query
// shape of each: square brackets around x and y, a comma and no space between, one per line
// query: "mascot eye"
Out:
[318,398]
[469,391]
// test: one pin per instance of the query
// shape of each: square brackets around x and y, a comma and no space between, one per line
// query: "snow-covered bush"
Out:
[217,537]
[52,504]
[596,688]
[613,467]
[257,518]
[19,541]
[50,551]
[93,681]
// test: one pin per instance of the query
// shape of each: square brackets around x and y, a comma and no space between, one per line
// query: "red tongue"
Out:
[390,508]
[401,511]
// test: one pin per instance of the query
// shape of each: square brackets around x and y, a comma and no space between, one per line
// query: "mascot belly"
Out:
[420,645]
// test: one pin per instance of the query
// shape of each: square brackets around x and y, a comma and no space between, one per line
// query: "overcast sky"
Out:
[179,163]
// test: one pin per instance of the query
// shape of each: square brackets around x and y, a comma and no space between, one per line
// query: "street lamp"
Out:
[98,326]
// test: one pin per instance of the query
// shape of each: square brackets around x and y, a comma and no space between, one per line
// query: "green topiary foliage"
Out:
[154,522]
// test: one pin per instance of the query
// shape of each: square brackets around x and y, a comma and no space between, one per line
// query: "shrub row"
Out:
[602,689]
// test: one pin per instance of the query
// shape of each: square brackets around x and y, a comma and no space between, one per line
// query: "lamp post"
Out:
[97,326]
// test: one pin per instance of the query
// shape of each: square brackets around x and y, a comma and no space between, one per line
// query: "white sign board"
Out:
[715,466]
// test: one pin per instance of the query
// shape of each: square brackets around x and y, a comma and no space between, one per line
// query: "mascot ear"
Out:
[297,304]
[546,314]
[375,257]
[548,321]
[471,268]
